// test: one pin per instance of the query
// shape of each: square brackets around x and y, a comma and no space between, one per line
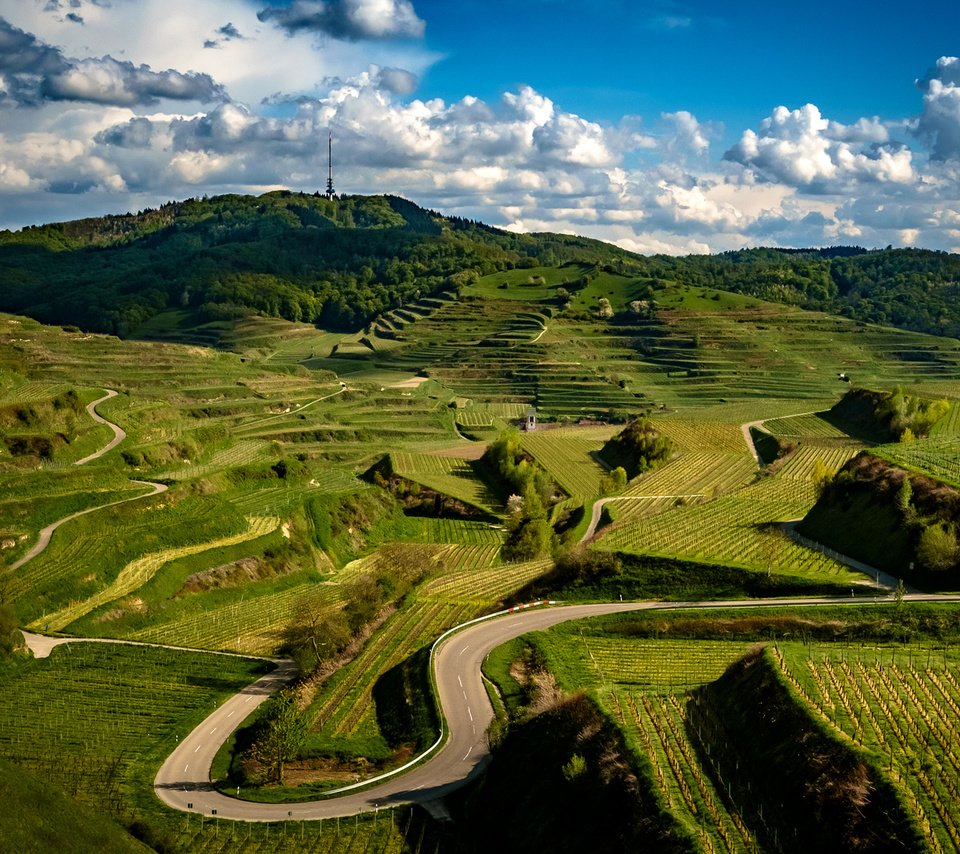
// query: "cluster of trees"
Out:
[909,417]
[533,492]
[637,448]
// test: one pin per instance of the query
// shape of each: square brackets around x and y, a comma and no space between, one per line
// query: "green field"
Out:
[265,432]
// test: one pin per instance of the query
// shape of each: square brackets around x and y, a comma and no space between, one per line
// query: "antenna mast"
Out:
[330,190]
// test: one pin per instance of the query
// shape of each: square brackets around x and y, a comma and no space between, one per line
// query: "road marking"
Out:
[469,712]
[462,651]
[200,745]
[465,755]
[230,715]
[459,680]
[464,695]
[213,731]
[185,767]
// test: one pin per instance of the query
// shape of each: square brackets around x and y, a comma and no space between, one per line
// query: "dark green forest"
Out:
[340,262]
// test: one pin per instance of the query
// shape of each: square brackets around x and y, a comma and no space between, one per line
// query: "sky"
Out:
[658,125]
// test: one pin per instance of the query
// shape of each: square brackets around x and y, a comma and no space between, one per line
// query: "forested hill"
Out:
[914,289]
[336,262]
[340,262]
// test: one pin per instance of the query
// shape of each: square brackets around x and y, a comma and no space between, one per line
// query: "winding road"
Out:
[183,781]
[43,539]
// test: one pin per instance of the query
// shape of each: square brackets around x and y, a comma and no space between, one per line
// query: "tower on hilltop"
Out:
[330,191]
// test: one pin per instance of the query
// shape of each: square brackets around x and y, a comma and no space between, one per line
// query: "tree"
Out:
[614,481]
[937,549]
[604,309]
[282,731]
[315,635]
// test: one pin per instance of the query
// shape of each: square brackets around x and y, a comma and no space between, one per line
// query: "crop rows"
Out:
[804,426]
[714,436]
[568,461]
[801,464]
[660,723]
[484,585]
[939,458]
[634,509]
[82,717]
[35,392]
[696,472]
[734,529]
[658,665]
[949,425]
[423,529]
[455,557]
[905,706]
[253,626]
[383,832]
[341,704]
[448,475]
[484,416]
[242,453]
[86,548]
[138,572]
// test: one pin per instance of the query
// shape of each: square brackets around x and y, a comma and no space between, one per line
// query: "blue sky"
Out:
[661,126]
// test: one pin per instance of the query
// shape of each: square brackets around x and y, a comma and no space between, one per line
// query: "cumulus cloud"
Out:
[24,63]
[32,72]
[352,20]
[940,120]
[110,81]
[803,149]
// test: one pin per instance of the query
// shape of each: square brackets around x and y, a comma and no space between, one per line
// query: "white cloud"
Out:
[940,120]
[800,148]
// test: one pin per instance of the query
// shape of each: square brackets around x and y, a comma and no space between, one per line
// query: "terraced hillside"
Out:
[233,516]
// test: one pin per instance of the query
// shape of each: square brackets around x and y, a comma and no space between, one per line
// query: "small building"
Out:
[531,420]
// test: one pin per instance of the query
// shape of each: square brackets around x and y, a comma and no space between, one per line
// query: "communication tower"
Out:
[330,191]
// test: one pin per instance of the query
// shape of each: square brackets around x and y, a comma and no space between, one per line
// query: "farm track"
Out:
[119,435]
[602,502]
[184,780]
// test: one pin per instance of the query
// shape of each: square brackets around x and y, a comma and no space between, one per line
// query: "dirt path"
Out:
[118,434]
[602,502]
[45,534]
[299,409]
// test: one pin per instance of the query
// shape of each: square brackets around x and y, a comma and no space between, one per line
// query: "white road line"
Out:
[470,712]
[185,767]
[465,755]
[459,680]
[462,651]
[230,715]
[200,745]
[213,731]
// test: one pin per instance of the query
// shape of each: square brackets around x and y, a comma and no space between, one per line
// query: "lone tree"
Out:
[282,731]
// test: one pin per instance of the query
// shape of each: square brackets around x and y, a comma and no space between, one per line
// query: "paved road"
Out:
[183,781]
[118,434]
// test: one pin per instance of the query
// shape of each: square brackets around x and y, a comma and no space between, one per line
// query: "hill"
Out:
[335,262]
[339,263]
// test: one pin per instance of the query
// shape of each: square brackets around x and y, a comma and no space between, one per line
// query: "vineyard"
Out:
[568,459]
[263,444]
[903,705]
[742,529]
[939,458]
